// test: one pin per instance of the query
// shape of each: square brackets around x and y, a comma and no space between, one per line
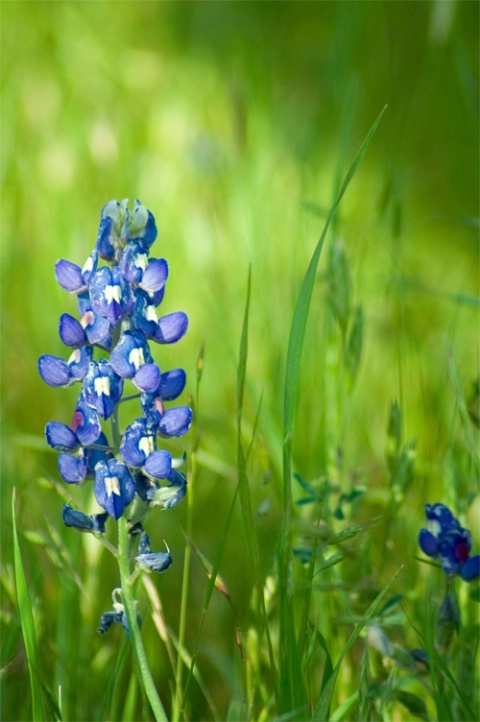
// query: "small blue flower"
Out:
[151,561]
[82,522]
[75,469]
[71,331]
[131,359]
[102,388]
[114,486]
[138,442]
[110,294]
[446,540]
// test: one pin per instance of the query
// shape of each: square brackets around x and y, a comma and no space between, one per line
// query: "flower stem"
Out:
[131,612]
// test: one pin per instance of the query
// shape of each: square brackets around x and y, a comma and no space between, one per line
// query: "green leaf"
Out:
[27,622]
[364,703]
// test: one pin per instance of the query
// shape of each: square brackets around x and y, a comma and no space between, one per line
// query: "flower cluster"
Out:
[117,308]
[446,540]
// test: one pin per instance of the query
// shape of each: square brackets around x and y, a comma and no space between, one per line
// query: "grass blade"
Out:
[291,682]
[27,622]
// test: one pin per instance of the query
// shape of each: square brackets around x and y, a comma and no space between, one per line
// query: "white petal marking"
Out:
[112,485]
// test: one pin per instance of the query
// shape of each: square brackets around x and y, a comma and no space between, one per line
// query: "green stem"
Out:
[131,612]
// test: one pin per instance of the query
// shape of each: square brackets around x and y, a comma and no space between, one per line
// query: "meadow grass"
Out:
[331,400]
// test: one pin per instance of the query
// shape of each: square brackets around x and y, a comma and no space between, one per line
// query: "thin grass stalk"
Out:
[291,681]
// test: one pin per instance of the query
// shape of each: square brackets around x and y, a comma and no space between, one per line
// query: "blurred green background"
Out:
[232,122]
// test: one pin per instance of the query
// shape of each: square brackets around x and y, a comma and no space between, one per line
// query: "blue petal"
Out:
[54,371]
[90,266]
[97,329]
[428,543]
[144,543]
[69,276]
[175,422]
[85,422]
[155,276]
[107,619]
[120,358]
[78,362]
[77,519]
[154,561]
[105,239]
[147,377]
[171,384]
[158,464]
[61,437]
[114,487]
[471,569]
[73,470]
[106,295]
[136,443]
[71,332]
[133,261]
[171,328]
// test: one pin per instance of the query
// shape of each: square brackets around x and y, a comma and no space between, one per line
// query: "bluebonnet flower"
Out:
[446,540]
[151,561]
[118,291]
[82,522]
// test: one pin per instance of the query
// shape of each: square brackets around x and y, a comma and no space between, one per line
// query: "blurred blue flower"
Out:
[446,540]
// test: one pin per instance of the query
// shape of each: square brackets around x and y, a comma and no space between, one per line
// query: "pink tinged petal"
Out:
[147,378]
[54,371]
[61,437]
[171,328]
[175,422]
[155,276]
[158,464]
[69,276]
[71,331]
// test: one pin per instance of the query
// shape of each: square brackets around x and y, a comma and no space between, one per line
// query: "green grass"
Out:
[329,407]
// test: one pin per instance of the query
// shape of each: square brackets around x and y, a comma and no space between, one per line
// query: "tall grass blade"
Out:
[291,682]
[321,711]
[27,622]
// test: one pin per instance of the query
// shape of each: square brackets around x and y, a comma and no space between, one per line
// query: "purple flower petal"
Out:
[171,384]
[73,470]
[114,487]
[77,519]
[61,437]
[175,422]
[147,378]
[71,331]
[78,362]
[158,464]
[154,561]
[85,423]
[69,276]
[54,371]
[106,239]
[133,261]
[428,543]
[171,328]
[471,569]
[155,276]
[137,443]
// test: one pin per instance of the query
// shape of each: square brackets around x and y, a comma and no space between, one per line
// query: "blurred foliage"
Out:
[233,122]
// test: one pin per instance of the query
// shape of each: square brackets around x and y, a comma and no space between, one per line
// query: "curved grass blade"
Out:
[27,622]
[321,712]
[291,682]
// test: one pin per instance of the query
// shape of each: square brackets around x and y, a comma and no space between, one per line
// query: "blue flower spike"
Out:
[446,540]
[117,293]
